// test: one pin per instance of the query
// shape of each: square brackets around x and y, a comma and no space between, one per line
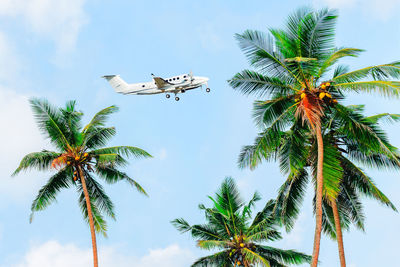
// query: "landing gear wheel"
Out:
[177,98]
[167,96]
[208,90]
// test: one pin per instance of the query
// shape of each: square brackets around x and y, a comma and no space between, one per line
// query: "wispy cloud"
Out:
[59,21]
[10,63]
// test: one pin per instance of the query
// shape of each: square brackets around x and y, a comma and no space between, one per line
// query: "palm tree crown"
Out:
[231,229]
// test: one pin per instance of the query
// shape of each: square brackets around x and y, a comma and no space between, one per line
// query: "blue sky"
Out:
[59,50]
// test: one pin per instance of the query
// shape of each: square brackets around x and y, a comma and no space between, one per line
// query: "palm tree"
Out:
[293,68]
[80,156]
[238,238]
[348,136]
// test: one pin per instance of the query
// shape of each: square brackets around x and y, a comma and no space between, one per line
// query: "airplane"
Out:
[175,85]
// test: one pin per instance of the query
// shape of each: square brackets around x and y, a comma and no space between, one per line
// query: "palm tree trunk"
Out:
[318,209]
[90,215]
[339,235]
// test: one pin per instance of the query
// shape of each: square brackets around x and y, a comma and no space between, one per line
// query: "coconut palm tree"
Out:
[293,67]
[231,230]
[348,136]
[80,157]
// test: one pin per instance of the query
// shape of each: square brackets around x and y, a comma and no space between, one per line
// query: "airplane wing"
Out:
[160,82]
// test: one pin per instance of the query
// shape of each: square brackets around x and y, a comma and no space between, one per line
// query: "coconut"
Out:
[86,154]
[322,95]
[323,86]
[329,95]
[328,84]
[303,95]
[241,244]
[77,158]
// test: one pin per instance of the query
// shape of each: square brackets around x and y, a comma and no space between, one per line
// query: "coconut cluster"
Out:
[236,250]
[78,159]
[321,92]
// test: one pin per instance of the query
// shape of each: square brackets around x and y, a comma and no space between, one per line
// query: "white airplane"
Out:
[175,85]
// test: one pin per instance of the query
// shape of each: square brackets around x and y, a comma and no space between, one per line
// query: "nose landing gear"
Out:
[177,98]
[208,90]
[167,96]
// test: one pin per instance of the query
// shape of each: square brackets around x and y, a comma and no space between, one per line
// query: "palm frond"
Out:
[386,117]
[385,88]
[50,122]
[278,111]
[37,160]
[283,256]
[99,197]
[290,198]
[212,244]
[100,118]
[259,49]
[255,257]
[335,56]
[364,184]
[378,72]
[265,147]
[100,225]
[98,137]
[47,194]
[218,259]
[253,83]
[126,151]
[112,175]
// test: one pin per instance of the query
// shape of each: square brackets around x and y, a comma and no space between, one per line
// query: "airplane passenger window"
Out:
[184,76]
[177,78]
[143,85]
[173,79]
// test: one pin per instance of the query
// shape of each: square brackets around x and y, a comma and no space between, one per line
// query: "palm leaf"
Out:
[37,160]
[47,194]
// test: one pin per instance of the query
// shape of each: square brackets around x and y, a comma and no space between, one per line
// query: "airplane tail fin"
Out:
[119,85]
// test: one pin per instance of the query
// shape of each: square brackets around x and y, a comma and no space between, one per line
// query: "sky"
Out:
[59,50]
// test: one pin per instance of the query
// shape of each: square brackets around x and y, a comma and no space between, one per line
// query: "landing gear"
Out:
[167,96]
[177,98]
[183,90]
[208,90]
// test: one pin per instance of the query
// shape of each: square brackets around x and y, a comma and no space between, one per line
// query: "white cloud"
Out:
[54,254]
[20,136]
[9,62]
[379,9]
[59,21]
